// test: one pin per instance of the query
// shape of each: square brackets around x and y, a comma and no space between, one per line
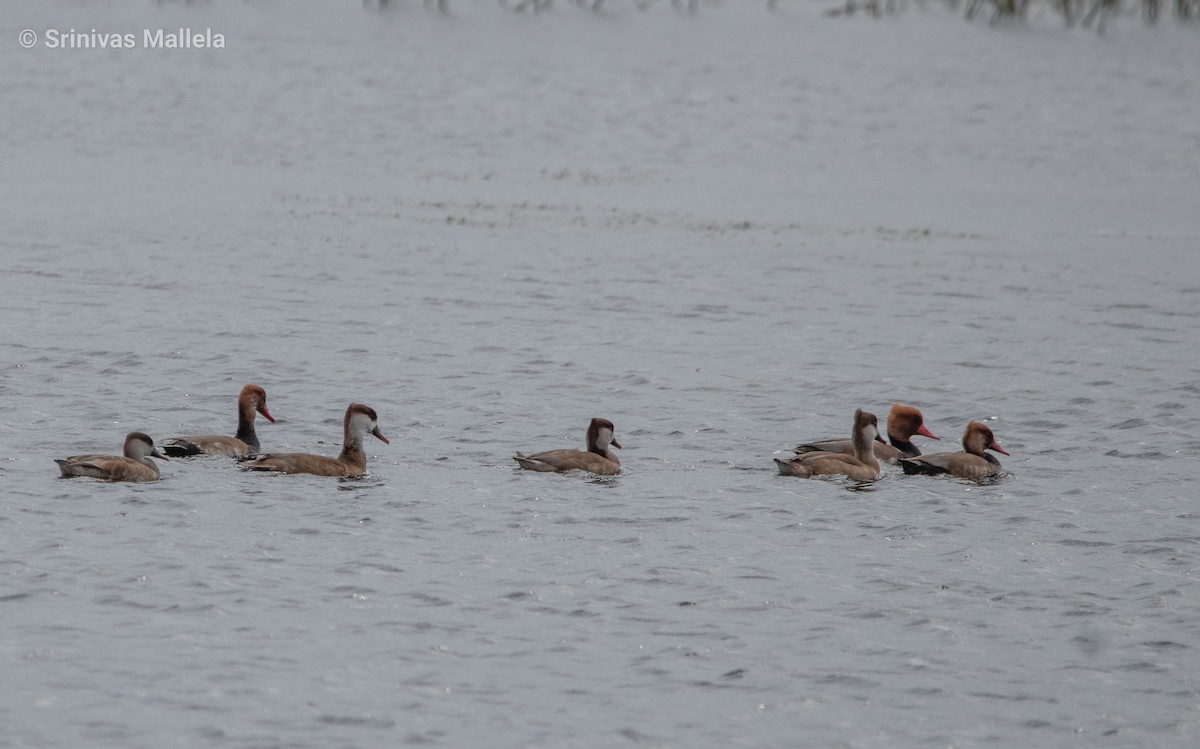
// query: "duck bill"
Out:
[266,414]
[926,433]
[615,444]
[379,434]
[156,454]
[996,446]
[879,438]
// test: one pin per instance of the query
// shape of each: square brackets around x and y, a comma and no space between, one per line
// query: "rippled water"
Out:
[724,233]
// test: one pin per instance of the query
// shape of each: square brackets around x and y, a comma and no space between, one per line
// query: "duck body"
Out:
[252,400]
[133,465]
[903,422]
[349,466]
[359,421]
[553,461]
[209,444]
[972,463]
[598,458]
[862,465]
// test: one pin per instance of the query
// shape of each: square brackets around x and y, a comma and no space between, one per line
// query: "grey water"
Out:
[491,229]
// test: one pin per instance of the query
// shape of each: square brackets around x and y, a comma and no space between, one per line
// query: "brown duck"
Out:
[360,421]
[861,466]
[972,463]
[598,458]
[134,465]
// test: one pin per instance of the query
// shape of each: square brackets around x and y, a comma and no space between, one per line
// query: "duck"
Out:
[861,466]
[252,399]
[359,421]
[598,458]
[134,465]
[972,463]
[903,422]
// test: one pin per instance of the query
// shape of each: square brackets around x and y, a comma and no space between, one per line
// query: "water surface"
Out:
[723,233]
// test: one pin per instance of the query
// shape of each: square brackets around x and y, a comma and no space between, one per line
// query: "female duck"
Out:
[861,466]
[597,459]
[360,421]
[972,463]
[134,465]
[251,400]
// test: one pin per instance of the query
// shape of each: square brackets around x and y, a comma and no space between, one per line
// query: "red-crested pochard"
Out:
[861,466]
[352,462]
[134,465]
[972,463]
[251,400]
[597,459]
[903,422]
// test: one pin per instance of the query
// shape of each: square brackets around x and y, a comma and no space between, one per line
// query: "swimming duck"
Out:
[134,465]
[861,466]
[597,459]
[972,463]
[360,421]
[244,443]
